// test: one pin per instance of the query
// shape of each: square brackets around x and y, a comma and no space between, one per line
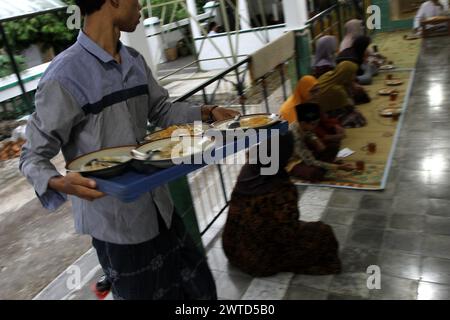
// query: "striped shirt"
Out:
[87,101]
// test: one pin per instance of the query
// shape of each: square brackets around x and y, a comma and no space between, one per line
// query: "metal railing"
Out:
[16,107]
[330,22]
[211,186]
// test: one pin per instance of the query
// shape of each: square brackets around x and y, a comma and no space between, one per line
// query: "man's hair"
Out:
[88,7]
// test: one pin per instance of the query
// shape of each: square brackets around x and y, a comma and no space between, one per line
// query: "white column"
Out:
[244,15]
[155,40]
[211,10]
[445,4]
[295,13]
[192,10]
[138,41]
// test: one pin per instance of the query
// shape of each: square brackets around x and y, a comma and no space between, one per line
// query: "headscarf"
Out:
[325,51]
[356,52]
[333,93]
[353,29]
[251,182]
[302,93]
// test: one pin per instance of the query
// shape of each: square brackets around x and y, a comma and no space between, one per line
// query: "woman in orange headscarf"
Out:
[329,129]
[302,94]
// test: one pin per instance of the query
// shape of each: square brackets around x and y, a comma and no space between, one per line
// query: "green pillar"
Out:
[303,48]
[181,195]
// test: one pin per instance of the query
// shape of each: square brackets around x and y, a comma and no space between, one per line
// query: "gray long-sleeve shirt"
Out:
[86,101]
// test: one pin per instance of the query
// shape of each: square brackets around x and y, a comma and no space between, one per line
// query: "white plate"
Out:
[389,112]
[174,151]
[394,82]
[385,92]
[387,67]
[161,134]
[121,154]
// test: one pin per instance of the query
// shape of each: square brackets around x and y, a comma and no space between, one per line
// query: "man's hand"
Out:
[75,184]
[216,113]
[220,114]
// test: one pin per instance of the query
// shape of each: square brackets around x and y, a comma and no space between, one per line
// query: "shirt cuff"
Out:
[194,114]
[49,198]
[52,200]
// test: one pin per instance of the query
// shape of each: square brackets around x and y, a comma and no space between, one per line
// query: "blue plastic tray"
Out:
[131,185]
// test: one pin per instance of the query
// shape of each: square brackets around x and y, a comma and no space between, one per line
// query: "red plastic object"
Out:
[101,295]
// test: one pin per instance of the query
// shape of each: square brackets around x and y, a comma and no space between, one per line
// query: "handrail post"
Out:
[341,25]
[265,94]
[283,81]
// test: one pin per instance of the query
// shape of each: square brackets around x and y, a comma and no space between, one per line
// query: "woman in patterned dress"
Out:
[263,234]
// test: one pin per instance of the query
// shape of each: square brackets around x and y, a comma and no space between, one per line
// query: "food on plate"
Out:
[257,121]
[389,112]
[104,163]
[166,151]
[185,129]
[394,82]
[386,91]
[176,149]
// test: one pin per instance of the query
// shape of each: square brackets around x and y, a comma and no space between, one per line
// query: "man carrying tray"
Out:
[431,12]
[99,94]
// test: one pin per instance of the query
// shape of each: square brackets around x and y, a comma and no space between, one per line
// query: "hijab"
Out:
[353,29]
[302,94]
[333,93]
[325,51]
[251,182]
[356,53]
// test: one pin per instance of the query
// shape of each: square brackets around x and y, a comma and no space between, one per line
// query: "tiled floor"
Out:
[404,230]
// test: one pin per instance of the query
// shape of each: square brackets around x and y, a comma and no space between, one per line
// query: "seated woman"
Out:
[329,130]
[326,49]
[353,29]
[263,235]
[311,158]
[335,95]
[359,53]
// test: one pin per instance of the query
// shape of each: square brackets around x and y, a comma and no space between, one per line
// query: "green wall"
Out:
[386,23]
[303,49]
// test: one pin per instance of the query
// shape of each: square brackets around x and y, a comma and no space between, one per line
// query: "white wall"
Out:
[160,37]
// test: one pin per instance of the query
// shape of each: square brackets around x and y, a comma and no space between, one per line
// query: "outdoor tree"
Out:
[48,30]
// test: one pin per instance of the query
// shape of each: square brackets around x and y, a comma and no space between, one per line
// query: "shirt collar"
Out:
[92,47]
[127,59]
